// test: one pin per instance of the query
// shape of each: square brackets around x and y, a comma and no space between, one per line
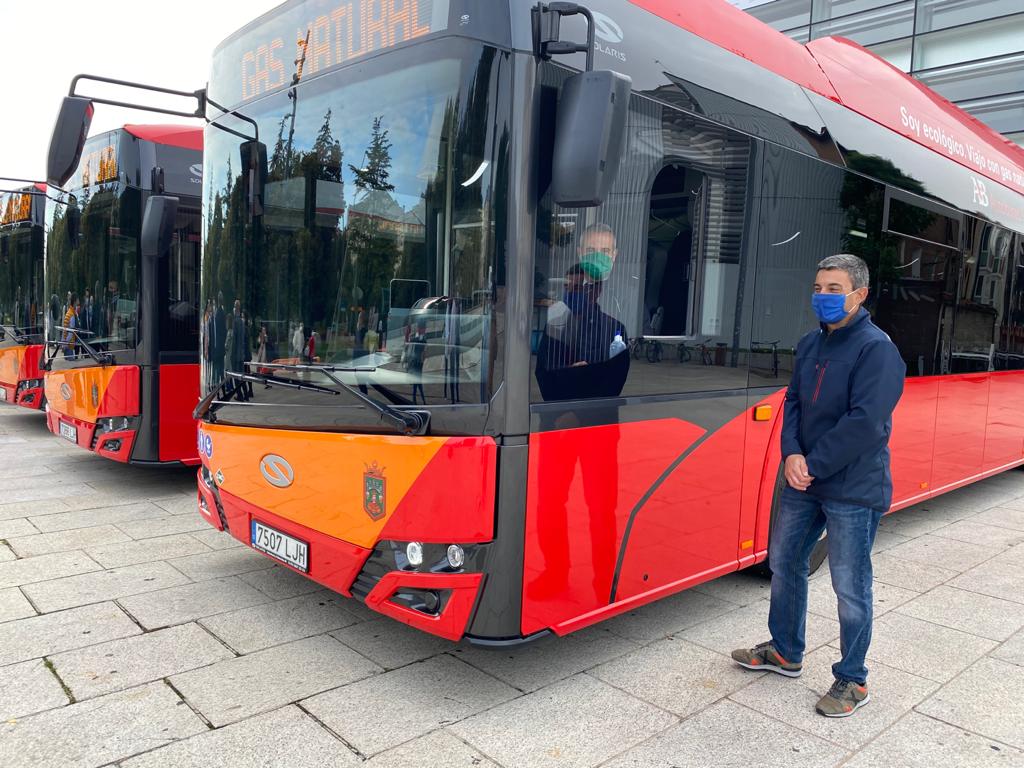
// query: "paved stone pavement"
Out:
[132,634]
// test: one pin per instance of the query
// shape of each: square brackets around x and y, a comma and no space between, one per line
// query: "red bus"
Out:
[430,423]
[21,295]
[122,368]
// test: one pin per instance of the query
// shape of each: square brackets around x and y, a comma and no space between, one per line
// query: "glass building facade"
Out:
[970,51]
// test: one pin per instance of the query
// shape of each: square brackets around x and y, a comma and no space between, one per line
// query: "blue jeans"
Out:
[851,534]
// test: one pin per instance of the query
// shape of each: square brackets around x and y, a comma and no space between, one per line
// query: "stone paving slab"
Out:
[15,527]
[984,699]
[967,611]
[98,731]
[974,531]
[1012,650]
[32,569]
[1001,517]
[215,539]
[13,605]
[64,541]
[439,748]
[71,591]
[102,515]
[27,688]
[995,579]
[389,644]
[548,660]
[575,723]
[221,563]
[54,632]
[284,738]
[418,698]
[658,620]
[952,554]
[677,676]
[252,629]
[277,582]
[188,602]
[921,742]
[238,688]
[127,551]
[728,734]
[119,664]
[162,525]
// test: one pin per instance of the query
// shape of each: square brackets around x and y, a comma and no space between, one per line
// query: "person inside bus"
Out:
[582,357]
[847,379]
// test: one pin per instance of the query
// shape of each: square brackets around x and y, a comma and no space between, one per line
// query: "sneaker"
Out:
[765,657]
[843,699]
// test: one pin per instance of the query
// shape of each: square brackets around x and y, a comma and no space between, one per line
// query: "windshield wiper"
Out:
[206,404]
[406,422]
[103,358]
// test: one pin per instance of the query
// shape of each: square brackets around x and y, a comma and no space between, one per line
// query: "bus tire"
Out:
[820,551]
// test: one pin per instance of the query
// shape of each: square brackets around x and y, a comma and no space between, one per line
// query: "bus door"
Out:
[638,390]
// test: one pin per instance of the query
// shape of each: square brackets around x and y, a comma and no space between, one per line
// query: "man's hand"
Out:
[796,473]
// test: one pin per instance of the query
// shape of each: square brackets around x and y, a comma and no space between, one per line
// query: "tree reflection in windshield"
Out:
[374,247]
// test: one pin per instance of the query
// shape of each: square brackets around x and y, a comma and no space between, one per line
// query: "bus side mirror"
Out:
[68,139]
[590,137]
[254,174]
[158,226]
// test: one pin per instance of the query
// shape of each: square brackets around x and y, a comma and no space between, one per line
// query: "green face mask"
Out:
[597,265]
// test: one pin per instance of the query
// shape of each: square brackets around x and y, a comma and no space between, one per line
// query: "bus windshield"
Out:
[373,244]
[21,268]
[92,255]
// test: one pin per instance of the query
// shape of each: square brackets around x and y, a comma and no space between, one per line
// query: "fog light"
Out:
[456,557]
[112,445]
[203,506]
[414,553]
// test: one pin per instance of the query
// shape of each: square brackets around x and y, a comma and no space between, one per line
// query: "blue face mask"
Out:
[829,307]
[577,301]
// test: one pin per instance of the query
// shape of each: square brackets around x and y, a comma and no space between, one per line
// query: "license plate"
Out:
[279,545]
[69,431]
[3,394]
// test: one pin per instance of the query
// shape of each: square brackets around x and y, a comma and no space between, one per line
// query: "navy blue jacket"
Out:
[838,411]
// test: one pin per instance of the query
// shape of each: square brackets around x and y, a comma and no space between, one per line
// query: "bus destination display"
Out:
[315,36]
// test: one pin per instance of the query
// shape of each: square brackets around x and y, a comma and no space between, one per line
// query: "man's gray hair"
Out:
[852,265]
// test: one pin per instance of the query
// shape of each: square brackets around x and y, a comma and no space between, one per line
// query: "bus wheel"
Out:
[820,551]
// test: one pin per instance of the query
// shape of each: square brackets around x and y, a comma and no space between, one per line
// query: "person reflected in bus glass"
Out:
[417,349]
[847,379]
[582,357]
[207,330]
[71,325]
[113,296]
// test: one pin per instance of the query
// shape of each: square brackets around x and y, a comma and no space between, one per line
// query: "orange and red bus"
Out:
[21,295]
[513,296]
[122,367]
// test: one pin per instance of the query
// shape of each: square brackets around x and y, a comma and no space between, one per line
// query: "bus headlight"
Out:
[414,553]
[456,556]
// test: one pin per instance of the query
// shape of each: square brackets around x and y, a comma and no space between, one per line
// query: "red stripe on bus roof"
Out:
[872,87]
[736,31]
[856,78]
[186,136]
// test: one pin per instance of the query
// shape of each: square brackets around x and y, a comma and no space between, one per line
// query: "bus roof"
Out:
[846,73]
[185,136]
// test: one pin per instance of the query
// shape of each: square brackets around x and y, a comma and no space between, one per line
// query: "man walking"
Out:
[847,379]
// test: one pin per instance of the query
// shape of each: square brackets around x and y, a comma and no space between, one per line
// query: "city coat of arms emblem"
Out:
[374,491]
